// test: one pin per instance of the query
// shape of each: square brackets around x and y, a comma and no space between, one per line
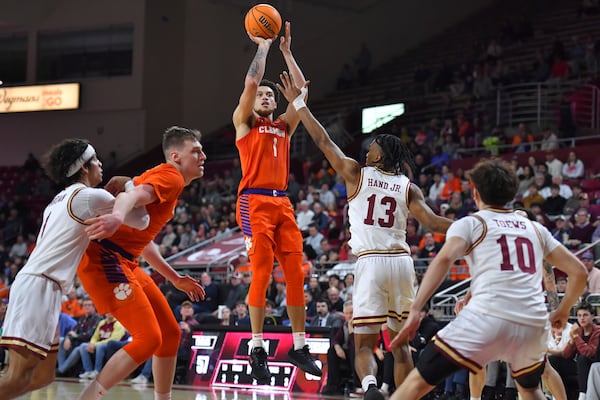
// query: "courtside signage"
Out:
[64,96]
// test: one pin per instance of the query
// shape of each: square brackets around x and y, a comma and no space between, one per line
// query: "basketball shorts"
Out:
[384,289]
[32,317]
[474,339]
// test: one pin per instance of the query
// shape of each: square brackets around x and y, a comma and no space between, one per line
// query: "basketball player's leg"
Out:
[477,382]
[140,321]
[365,364]
[164,361]
[403,362]
[44,372]
[553,382]
[19,375]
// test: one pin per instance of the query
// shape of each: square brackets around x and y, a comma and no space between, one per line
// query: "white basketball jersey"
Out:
[378,212]
[62,241]
[505,257]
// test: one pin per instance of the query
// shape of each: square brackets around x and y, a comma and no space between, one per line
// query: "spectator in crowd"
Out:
[554,164]
[211,295]
[311,305]
[523,140]
[240,315]
[583,341]
[233,291]
[563,189]
[304,216]
[324,317]
[582,230]
[573,202]
[549,140]
[314,238]
[593,280]
[341,354]
[81,333]
[561,231]
[431,247]
[553,205]
[72,305]
[337,304]
[320,217]
[107,329]
[573,168]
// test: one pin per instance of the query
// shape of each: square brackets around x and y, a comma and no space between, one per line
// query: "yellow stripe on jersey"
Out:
[480,238]
[69,210]
[351,196]
[20,343]
[453,354]
[377,319]
[527,370]
[382,252]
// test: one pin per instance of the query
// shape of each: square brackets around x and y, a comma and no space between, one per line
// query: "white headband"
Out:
[85,157]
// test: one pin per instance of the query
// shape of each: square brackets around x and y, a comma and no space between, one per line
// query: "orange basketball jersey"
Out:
[168,184]
[265,155]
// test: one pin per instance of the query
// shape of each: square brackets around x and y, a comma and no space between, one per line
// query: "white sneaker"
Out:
[85,375]
[93,374]
[139,379]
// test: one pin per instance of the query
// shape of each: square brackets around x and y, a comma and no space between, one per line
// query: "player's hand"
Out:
[285,41]
[340,353]
[116,184]
[558,320]
[191,287]
[103,226]
[289,89]
[460,304]
[408,330]
[258,40]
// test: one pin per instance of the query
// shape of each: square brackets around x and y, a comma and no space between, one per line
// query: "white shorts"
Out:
[384,289]
[32,316]
[474,339]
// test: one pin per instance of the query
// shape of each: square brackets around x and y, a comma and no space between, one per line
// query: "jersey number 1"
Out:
[524,251]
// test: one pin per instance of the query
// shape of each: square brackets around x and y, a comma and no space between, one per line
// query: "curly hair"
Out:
[60,157]
[268,83]
[396,157]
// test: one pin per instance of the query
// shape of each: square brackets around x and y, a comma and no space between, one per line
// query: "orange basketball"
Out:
[263,20]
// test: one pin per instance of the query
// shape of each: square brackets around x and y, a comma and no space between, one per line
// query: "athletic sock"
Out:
[257,340]
[299,340]
[367,380]
[162,396]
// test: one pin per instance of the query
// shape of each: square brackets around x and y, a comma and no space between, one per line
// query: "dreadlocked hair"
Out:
[396,158]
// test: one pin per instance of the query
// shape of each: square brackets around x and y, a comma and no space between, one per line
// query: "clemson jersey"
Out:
[168,185]
[265,155]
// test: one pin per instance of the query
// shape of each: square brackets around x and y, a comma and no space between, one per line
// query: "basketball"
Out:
[264,21]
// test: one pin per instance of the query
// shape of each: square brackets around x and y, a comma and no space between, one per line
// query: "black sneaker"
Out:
[258,363]
[301,358]
[373,393]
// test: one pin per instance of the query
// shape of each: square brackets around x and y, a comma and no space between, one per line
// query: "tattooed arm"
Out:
[244,112]
[550,285]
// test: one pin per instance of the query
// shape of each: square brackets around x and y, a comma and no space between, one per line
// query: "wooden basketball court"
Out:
[69,389]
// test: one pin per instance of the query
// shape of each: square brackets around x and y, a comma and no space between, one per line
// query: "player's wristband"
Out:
[298,102]
[129,185]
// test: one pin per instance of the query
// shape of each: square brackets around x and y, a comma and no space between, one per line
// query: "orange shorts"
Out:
[268,218]
[107,275]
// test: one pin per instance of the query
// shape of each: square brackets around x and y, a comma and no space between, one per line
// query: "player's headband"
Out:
[85,157]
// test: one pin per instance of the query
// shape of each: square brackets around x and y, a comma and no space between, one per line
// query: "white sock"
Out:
[299,340]
[162,396]
[581,396]
[475,398]
[257,340]
[94,391]
[367,380]
[385,387]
